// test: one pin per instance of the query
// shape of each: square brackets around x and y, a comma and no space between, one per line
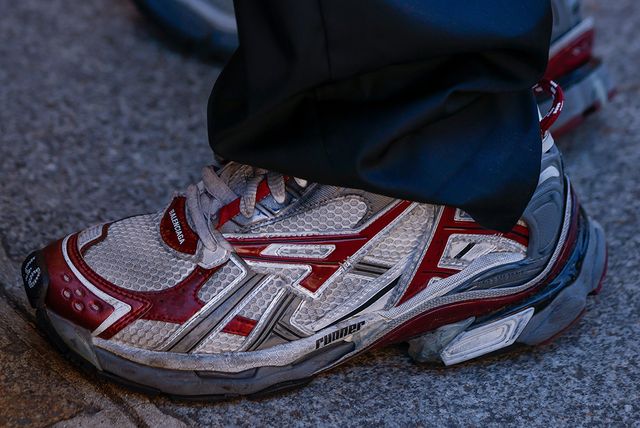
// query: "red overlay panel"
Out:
[240,326]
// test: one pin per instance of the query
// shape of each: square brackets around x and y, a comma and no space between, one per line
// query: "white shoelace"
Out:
[205,199]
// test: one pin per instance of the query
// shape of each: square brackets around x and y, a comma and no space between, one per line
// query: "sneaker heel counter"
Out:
[545,213]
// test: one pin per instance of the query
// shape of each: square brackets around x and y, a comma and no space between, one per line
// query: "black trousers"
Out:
[426,100]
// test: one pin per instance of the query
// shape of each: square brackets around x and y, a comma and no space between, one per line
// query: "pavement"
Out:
[100,120]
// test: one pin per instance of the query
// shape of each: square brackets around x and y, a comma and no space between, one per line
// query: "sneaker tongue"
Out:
[175,230]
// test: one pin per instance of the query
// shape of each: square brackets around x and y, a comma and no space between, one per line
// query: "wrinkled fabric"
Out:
[426,100]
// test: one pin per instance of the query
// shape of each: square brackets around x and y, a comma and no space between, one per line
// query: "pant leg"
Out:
[426,100]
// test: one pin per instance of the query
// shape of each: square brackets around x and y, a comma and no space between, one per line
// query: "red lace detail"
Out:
[552,88]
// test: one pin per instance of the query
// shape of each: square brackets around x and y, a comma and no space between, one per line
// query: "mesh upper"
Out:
[336,295]
[402,238]
[134,257]
[220,342]
[257,304]
[146,333]
[223,277]
[337,215]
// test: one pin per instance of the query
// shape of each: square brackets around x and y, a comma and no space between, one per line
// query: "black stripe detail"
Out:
[369,268]
[369,302]
[284,329]
[465,250]
[282,332]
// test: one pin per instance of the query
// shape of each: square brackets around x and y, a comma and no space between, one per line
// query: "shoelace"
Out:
[554,90]
[212,193]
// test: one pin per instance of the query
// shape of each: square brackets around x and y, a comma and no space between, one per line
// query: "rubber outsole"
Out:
[44,324]
[567,303]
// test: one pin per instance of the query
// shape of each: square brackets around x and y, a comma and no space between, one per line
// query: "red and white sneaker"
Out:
[586,82]
[249,282]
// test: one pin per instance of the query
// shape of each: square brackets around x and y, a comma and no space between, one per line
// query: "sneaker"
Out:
[585,79]
[251,282]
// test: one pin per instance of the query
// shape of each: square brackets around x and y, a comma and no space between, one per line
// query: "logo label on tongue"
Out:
[176,226]
[175,230]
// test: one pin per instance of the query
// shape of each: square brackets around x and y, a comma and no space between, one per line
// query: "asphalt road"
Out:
[100,120]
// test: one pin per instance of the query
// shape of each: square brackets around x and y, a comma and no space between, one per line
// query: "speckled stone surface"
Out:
[100,120]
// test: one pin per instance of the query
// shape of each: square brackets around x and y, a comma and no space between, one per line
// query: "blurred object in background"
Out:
[205,26]
[209,28]
[584,79]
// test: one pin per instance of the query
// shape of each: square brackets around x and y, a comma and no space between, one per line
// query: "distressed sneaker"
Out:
[250,282]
